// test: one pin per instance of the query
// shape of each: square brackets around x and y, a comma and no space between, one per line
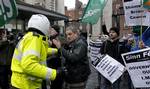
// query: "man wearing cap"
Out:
[113,48]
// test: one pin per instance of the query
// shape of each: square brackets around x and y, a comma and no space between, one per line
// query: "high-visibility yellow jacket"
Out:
[29,62]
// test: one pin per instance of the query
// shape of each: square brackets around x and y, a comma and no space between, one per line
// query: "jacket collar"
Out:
[73,42]
[114,40]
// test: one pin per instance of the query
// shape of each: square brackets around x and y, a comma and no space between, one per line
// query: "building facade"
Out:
[119,18]
[28,7]
[75,16]
[113,16]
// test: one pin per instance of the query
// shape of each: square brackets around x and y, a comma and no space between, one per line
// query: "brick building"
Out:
[118,18]
[75,16]
[26,8]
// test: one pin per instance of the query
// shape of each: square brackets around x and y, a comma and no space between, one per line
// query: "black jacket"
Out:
[114,49]
[77,62]
[6,52]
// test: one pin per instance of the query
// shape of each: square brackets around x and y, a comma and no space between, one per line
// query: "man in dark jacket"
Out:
[6,51]
[55,60]
[76,58]
[113,48]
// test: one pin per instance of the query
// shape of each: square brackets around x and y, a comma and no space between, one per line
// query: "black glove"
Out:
[61,72]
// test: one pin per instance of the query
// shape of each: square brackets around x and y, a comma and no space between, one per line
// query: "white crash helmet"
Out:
[39,22]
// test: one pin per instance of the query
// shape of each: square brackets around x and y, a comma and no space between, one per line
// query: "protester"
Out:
[55,60]
[76,58]
[113,48]
[6,49]
[139,45]
[29,59]
[142,45]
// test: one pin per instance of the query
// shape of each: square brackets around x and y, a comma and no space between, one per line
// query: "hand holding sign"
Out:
[109,67]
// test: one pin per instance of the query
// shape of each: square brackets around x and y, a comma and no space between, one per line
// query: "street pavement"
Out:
[92,82]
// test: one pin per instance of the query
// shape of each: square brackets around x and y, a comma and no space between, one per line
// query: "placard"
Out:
[135,13]
[138,66]
[108,67]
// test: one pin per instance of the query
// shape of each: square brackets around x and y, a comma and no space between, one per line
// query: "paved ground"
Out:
[92,82]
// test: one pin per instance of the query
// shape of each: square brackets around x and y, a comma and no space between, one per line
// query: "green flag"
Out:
[93,11]
[8,11]
[146,4]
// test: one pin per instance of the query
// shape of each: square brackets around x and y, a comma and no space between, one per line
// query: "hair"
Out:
[116,30]
[73,28]
[56,28]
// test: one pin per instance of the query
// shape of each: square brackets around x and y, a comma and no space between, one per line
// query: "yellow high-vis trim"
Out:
[49,72]
[53,74]
[18,57]
[43,62]
[52,51]
[31,52]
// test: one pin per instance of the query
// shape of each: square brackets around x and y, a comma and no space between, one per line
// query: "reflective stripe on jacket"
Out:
[29,62]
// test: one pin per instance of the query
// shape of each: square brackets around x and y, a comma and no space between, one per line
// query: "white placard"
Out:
[138,66]
[135,14]
[108,67]
[94,48]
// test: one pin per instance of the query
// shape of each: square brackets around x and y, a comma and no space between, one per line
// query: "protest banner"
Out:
[138,66]
[94,48]
[135,14]
[93,11]
[108,67]
[8,11]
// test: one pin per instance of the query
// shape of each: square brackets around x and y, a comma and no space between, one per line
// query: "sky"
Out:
[71,3]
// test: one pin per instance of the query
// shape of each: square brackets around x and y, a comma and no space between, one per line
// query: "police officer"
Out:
[29,59]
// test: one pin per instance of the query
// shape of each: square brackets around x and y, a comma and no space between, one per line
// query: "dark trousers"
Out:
[56,84]
[80,85]
[4,77]
[44,85]
[105,84]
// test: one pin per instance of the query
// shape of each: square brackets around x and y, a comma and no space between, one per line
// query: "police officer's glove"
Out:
[61,72]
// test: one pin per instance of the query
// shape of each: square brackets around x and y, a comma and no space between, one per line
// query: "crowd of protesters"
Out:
[29,60]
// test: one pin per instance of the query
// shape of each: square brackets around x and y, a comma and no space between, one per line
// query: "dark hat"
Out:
[116,30]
